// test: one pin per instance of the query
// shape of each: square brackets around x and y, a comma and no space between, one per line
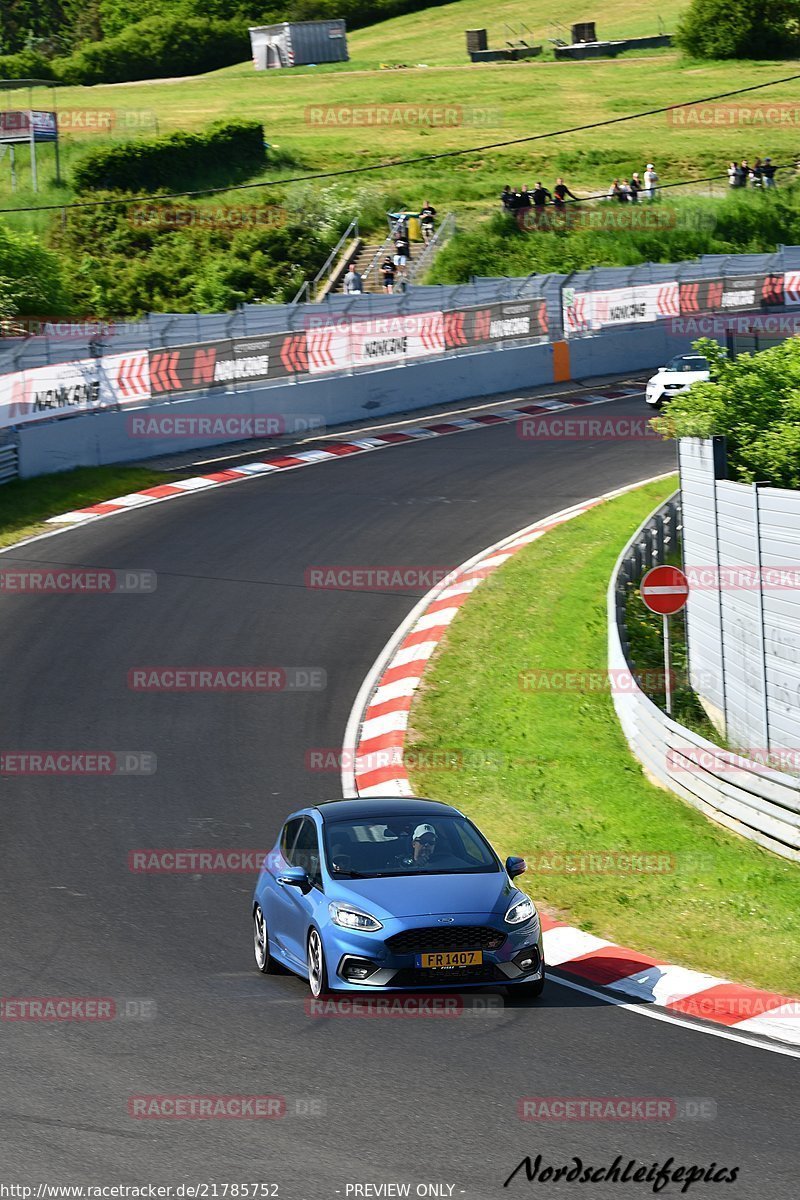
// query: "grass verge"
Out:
[550,771]
[25,504]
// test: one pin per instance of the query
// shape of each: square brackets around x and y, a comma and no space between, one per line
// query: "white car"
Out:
[679,374]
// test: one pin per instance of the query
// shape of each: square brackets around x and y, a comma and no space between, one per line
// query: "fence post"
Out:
[762,644]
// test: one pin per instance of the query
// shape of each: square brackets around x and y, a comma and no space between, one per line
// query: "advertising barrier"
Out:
[143,376]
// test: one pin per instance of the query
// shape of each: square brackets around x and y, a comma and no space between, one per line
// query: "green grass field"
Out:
[25,504]
[550,771]
[302,110]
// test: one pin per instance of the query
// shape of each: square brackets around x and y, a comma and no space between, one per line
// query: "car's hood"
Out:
[424,895]
[686,377]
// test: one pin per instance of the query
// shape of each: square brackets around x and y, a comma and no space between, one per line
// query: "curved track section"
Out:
[417,1101]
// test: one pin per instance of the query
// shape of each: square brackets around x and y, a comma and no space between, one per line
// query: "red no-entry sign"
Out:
[664,590]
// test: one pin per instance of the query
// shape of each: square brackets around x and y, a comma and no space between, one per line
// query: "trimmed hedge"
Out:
[155,48]
[227,150]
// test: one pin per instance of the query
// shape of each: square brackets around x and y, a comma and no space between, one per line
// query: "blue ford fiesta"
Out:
[393,893]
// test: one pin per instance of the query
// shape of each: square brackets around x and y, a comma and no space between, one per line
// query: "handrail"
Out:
[309,287]
[442,235]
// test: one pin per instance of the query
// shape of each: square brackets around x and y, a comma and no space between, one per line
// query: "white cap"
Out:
[422,829]
[650,167]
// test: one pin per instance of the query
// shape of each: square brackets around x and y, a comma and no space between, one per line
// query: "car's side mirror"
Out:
[295,877]
[515,866]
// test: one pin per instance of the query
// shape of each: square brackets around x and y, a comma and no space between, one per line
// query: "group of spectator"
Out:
[520,200]
[392,269]
[760,174]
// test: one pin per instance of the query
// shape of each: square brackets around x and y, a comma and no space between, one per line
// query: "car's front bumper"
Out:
[519,959]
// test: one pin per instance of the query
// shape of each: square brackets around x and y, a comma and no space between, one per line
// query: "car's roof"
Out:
[382,806]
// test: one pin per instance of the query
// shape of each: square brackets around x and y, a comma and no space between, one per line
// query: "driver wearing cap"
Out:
[423,844]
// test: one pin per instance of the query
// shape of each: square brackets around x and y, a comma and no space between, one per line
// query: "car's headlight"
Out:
[522,910]
[352,918]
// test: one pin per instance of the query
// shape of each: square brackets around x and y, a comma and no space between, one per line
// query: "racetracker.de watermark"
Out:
[611,217]
[236,426]
[616,1108]
[390,577]
[212,860]
[76,1008]
[220,217]
[409,1006]
[222,1107]
[600,862]
[104,120]
[78,762]
[71,581]
[728,762]
[710,324]
[549,428]
[227,679]
[402,116]
[329,758]
[539,679]
[727,116]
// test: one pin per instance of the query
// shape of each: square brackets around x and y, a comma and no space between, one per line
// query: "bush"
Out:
[754,401]
[31,279]
[228,151]
[740,29]
[156,47]
[27,64]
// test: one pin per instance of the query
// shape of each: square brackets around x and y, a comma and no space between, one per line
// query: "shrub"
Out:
[740,29]
[31,278]
[156,47]
[226,151]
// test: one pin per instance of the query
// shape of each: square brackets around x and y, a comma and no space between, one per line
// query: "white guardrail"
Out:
[751,799]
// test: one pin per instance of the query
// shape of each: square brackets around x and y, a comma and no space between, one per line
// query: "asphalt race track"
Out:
[375,1100]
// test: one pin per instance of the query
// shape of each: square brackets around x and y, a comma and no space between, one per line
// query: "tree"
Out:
[754,401]
[740,29]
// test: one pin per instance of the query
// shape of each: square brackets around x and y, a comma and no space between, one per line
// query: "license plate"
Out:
[450,958]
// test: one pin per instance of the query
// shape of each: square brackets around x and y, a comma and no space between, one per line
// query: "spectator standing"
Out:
[540,196]
[624,192]
[353,282]
[733,175]
[768,173]
[650,181]
[387,272]
[744,172]
[426,216]
[402,252]
[755,174]
[613,191]
[524,200]
[635,187]
[560,193]
[507,198]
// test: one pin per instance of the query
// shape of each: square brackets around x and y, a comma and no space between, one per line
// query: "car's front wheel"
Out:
[317,969]
[264,960]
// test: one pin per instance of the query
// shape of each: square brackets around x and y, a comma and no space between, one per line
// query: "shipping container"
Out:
[298,43]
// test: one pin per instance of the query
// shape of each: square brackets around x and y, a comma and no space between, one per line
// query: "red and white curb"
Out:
[329,451]
[373,756]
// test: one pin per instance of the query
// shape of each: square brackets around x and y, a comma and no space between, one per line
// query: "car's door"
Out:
[296,908]
[273,899]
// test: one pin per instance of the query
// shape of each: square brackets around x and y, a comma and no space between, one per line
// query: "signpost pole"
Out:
[34,179]
[667,667]
[13,168]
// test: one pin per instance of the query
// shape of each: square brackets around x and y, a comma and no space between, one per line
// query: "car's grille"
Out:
[446,937]
[411,977]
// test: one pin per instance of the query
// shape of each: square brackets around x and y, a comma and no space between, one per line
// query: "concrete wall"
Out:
[99,438]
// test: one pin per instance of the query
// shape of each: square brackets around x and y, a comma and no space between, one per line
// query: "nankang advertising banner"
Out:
[586,311]
[390,338]
[501,322]
[731,293]
[59,390]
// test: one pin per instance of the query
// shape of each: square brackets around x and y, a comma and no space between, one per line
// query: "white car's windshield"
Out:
[682,363]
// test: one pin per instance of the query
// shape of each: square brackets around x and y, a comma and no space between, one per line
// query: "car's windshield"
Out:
[398,845]
[682,363]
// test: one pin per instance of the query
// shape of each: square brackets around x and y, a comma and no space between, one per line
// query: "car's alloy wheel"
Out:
[317,974]
[264,960]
